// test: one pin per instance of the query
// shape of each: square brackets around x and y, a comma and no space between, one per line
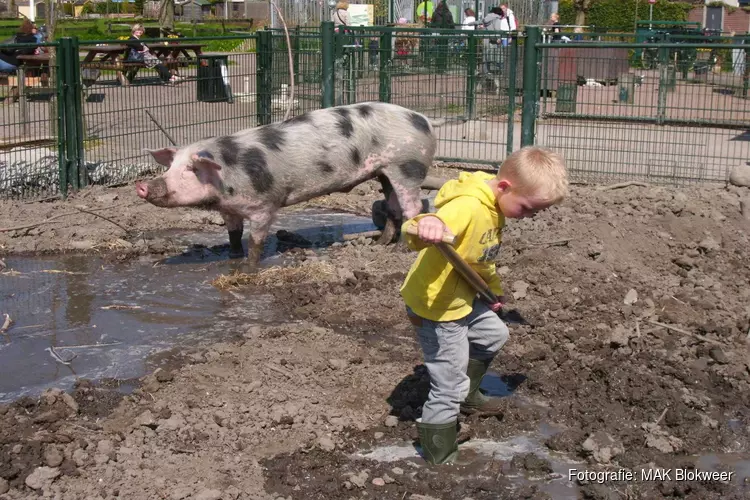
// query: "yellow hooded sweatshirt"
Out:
[432,289]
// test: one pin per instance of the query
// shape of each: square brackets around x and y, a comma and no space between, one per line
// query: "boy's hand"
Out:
[496,306]
[431,229]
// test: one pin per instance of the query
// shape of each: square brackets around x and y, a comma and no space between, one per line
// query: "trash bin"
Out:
[213,78]
[567,93]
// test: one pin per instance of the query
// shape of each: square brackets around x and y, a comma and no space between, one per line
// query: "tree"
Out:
[582,7]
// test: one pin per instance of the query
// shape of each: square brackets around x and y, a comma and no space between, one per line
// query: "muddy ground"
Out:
[278,411]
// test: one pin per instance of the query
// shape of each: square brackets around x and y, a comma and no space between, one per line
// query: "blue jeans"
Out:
[7,67]
[447,347]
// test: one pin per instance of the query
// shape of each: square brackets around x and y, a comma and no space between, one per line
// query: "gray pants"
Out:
[447,347]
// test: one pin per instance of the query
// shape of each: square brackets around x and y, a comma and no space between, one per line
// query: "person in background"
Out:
[469,18]
[140,52]
[442,17]
[9,58]
[340,16]
[508,22]
[491,48]
[554,23]
[425,10]
[509,18]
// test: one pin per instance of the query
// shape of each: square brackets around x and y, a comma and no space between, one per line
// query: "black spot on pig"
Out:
[272,137]
[365,110]
[419,122]
[228,148]
[413,170]
[206,154]
[376,142]
[325,167]
[230,191]
[346,127]
[356,156]
[303,118]
[253,162]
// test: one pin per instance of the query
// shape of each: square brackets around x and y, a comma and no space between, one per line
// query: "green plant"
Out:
[619,15]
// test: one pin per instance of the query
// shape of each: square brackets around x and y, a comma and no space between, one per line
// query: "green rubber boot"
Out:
[478,403]
[438,442]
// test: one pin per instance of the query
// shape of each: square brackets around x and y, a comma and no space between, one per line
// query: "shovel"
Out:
[460,265]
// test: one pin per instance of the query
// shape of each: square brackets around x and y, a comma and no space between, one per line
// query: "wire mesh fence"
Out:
[28,125]
[676,116]
[189,95]
[671,111]
[458,76]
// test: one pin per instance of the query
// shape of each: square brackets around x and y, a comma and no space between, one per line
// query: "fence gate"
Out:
[457,75]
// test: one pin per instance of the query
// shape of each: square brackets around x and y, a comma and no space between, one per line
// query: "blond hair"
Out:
[536,172]
[342,5]
[137,27]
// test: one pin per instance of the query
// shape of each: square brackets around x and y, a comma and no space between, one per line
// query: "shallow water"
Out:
[105,319]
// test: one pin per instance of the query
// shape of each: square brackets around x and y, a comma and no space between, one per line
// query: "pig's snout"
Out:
[154,192]
[142,189]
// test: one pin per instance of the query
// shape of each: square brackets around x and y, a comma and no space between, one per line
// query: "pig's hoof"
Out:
[388,235]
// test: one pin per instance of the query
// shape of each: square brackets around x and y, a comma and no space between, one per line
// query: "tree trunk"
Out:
[580,18]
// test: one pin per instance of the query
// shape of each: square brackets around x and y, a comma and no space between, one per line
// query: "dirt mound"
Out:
[629,315]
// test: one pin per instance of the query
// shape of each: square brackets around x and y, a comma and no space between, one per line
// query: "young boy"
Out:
[459,333]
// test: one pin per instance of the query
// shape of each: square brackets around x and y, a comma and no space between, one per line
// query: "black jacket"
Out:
[10,56]
[442,17]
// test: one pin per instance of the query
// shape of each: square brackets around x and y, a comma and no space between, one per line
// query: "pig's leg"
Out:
[392,212]
[402,190]
[234,224]
[260,223]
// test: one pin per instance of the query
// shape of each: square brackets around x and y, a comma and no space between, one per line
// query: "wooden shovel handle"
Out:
[461,266]
[447,237]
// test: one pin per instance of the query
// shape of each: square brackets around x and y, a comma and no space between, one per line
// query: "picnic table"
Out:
[113,56]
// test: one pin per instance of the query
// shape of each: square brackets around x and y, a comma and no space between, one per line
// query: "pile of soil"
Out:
[630,315]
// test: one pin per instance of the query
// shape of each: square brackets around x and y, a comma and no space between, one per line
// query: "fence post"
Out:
[661,104]
[264,80]
[471,75]
[512,93]
[386,60]
[62,161]
[70,127]
[326,32]
[530,77]
[76,112]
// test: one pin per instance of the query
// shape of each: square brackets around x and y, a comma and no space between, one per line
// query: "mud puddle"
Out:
[83,317]
[547,471]
[534,465]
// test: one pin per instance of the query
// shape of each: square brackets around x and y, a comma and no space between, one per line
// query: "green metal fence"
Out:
[29,138]
[671,111]
[679,118]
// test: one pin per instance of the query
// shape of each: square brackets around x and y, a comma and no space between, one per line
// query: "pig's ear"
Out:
[163,156]
[204,160]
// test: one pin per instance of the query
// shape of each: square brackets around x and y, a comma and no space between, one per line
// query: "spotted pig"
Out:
[251,174]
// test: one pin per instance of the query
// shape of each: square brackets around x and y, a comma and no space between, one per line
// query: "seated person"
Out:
[9,58]
[140,52]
